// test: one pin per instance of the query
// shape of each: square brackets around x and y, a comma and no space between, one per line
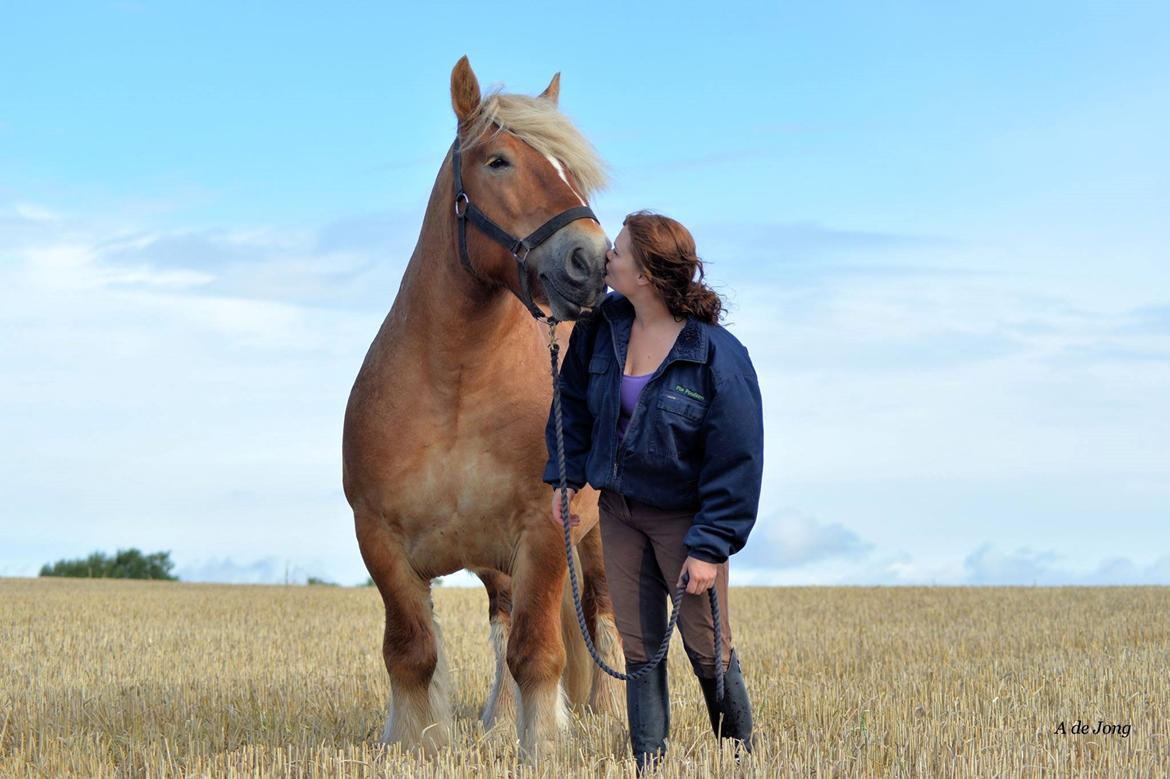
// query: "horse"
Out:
[443,442]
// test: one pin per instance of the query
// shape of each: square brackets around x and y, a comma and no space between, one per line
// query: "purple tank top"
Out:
[631,389]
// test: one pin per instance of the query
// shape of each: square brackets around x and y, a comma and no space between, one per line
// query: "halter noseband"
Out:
[519,247]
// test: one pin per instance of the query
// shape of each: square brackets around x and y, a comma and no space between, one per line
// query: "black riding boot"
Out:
[736,711]
[648,708]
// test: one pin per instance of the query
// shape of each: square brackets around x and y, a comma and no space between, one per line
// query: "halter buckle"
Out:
[466,203]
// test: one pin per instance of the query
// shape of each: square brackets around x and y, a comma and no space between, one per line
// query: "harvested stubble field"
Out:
[107,678]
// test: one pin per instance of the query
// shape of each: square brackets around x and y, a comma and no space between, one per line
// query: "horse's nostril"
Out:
[578,262]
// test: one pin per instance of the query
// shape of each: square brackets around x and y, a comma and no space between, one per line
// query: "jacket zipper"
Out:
[637,406]
[630,424]
[621,371]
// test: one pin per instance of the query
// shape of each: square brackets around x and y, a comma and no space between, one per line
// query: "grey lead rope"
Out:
[676,596]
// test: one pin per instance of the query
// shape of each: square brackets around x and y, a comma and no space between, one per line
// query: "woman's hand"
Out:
[555,517]
[702,575]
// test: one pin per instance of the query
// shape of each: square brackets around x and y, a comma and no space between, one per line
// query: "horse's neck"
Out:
[446,318]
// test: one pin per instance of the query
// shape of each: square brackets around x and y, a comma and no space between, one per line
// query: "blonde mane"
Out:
[537,122]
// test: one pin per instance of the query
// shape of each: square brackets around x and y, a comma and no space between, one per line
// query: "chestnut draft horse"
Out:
[443,448]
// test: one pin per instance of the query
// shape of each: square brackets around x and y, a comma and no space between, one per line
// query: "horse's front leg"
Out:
[419,712]
[536,652]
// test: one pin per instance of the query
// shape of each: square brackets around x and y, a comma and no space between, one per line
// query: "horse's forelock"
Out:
[537,122]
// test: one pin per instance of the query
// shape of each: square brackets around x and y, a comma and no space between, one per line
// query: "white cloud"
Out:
[1024,566]
[267,570]
[950,377]
[145,412]
[986,565]
[35,213]
[144,275]
[791,538]
[185,390]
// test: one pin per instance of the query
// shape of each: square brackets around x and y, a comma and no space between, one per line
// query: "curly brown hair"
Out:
[665,251]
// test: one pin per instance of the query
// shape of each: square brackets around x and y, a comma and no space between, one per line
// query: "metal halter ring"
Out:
[522,247]
[466,202]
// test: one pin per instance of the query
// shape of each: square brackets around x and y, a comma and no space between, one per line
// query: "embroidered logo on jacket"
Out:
[690,393]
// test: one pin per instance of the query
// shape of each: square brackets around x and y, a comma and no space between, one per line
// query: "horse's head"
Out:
[523,163]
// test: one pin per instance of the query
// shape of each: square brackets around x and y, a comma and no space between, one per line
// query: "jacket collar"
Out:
[692,339]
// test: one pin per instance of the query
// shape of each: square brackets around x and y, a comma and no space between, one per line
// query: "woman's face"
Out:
[621,270]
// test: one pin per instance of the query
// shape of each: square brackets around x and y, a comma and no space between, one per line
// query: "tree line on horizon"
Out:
[134,564]
[124,564]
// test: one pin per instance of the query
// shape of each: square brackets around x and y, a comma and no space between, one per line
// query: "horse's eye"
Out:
[503,163]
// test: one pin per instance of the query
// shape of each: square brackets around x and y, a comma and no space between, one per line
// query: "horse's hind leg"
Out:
[578,677]
[419,713]
[501,701]
[607,695]
[536,654]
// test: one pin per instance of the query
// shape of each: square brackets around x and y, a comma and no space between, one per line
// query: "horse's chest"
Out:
[441,456]
[445,500]
[472,477]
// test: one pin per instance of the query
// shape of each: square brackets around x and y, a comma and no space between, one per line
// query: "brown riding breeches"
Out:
[644,554]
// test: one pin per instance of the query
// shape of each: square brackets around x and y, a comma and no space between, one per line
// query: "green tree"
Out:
[125,564]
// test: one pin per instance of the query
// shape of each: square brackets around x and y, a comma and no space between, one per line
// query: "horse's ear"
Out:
[464,90]
[553,90]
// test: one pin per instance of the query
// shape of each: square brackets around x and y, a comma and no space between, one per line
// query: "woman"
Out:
[661,412]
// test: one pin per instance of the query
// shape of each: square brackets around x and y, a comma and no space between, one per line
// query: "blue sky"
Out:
[940,232]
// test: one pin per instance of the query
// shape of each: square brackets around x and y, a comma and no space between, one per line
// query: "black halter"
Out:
[520,247]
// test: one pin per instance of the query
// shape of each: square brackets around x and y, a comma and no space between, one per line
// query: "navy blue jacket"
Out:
[695,440]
